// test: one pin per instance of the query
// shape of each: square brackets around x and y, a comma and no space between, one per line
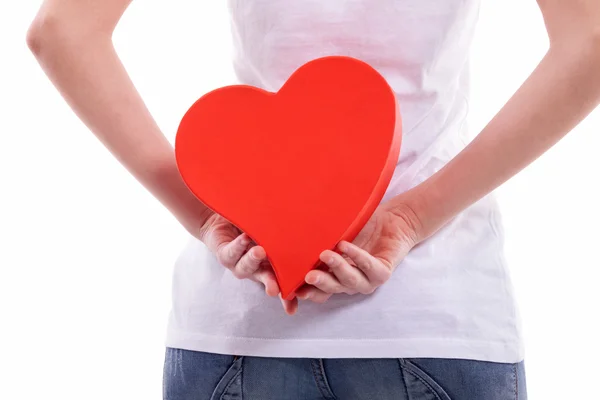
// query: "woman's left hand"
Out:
[369,261]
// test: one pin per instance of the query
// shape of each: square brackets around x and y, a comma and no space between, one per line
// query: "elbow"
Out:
[35,38]
[49,35]
[46,34]
[43,32]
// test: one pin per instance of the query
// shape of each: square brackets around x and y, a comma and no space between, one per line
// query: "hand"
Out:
[369,261]
[236,252]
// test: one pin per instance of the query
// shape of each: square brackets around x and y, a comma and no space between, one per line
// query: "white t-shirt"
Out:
[451,297]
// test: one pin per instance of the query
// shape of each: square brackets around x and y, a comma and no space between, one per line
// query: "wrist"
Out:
[167,185]
[421,209]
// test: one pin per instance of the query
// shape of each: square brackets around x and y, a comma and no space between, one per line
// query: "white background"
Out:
[86,254]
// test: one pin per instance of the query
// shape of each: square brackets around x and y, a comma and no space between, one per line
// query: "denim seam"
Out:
[231,383]
[312,366]
[179,364]
[325,381]
[403,377]
[516,382]
[321,381]
[437,396]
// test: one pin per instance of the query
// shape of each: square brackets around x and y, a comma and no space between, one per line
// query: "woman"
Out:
[421,306]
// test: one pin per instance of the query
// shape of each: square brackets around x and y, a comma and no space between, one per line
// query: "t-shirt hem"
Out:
[449,348]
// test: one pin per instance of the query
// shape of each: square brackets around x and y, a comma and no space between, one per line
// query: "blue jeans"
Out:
[191,375]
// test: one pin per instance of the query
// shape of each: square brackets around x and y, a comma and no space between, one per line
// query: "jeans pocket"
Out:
[419,385]
[463,379]
[230,385]
[195,375]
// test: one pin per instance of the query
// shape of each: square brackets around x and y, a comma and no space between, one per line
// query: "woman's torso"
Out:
[451,296]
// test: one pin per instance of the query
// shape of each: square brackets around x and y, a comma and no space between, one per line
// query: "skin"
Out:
[72,41]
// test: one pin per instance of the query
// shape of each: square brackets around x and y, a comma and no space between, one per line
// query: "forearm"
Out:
[562,90]
[86,70]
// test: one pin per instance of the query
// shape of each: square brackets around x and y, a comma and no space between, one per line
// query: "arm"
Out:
[72,41]
[562,91]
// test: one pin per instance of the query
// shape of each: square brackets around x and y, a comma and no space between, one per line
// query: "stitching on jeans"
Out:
[231,382]
[422,381]
[403,377]
[312,367]
[516,382]
[325,381]
[317,380]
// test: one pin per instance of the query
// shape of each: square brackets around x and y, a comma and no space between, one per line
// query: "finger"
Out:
[308,292]
[376,271]
[229,253]
[249,263]
[327,282]
[266,276]
[348,275]
[290,306]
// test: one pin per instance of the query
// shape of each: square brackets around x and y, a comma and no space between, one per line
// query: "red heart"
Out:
[297,170]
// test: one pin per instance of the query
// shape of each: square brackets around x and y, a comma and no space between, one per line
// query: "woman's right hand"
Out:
[238,253]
